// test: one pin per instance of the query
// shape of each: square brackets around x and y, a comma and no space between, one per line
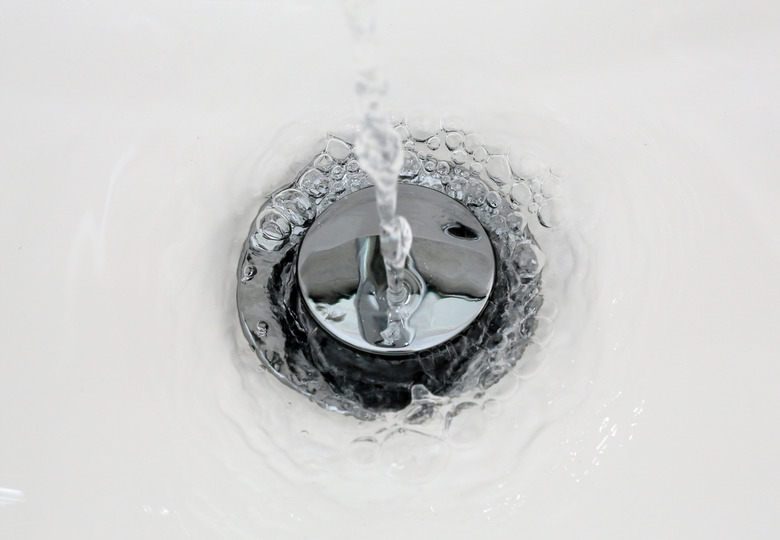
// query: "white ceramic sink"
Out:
[135,143]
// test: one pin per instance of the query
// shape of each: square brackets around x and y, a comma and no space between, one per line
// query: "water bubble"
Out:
[443,167]
[492,408]
[505,387]
[324,162]
[431,182]
[409,145]
[551,186]
[544,330]
[248,273]
[498,169]
[396,117]
[538,198]
[492,375]
[420,392]
[493,199]
[549,309]
[496,145]
[261,329]
[337,173]
[466,423]
[497,224]
[314,183]
[338,186]
[520,194]
[422,128]
[430,165]
[533,208]
[353,165]
[472,142]
[423,413]
[411,165]
[507,246]
[296,206]
[552,213]
[456,188]
[356,181]
[526,166]
[530,259]
[411,455]
[476,192]
[338,149]
[403,133]
[535,185]
[459,157]
[453,140]
[434,143]
[273,225]
[364,451]
[480,154]
[453,123]
[515,222]
[532,361]
[476,168]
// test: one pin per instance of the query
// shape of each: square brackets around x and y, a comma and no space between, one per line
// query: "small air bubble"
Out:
[521,194]
[411,165]
[498,169]
[248,273]
[364,451]
[314,183]
[261,330]
[531,259]
[295,206]
[515,222]
[532,361]
[552,213]
[410,455]
[480,154]
[493,199]
[476,192]
[338,149]
[497,224]
[273,225]
[543,331]
[324,162]
[453,140]
[527,167]
[551,186]
[422,128]
[403,133]
[472,142]
[434,143]
[459,157]
[466,424]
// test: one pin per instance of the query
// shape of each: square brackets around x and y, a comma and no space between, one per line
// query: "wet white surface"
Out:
[135,142]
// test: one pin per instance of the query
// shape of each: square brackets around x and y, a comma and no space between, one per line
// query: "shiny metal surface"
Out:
[449,274]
